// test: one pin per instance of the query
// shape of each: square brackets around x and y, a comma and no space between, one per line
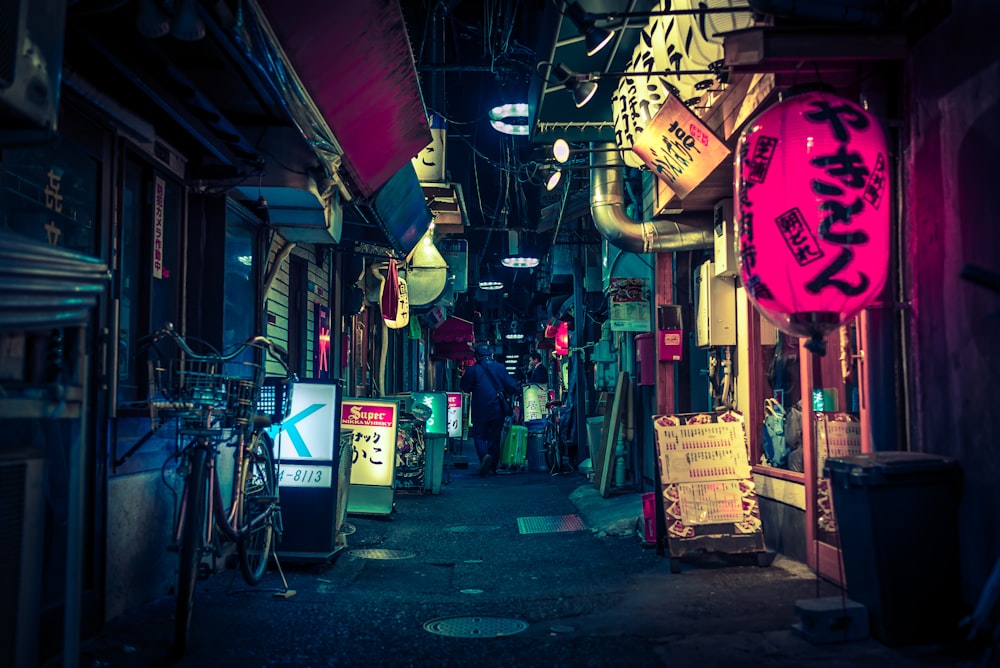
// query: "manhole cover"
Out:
[472,528]
[475,627]
[378,553]
[549,524]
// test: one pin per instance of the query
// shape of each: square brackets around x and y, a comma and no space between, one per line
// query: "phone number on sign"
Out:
[290,475]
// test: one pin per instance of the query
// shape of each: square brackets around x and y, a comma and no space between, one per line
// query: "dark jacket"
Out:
[539,375]
[485,405]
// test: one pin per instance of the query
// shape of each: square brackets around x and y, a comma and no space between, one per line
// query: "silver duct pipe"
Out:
[607,206]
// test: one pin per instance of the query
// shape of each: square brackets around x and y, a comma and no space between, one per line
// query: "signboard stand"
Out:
[706,492]
[310,473]
[374,423]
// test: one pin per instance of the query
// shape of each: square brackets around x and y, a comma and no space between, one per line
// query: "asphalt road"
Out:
[509,570]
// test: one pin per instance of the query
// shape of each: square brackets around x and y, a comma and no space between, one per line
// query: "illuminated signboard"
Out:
[437,423]
[455,414]
[304,441]
[678,148]
[374,425]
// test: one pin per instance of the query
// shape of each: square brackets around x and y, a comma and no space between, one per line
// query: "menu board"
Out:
[706,490]
[837,435]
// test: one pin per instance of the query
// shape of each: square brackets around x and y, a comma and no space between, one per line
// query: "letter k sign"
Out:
[289,426]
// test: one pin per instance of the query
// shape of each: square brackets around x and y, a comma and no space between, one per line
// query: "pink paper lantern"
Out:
[812,212]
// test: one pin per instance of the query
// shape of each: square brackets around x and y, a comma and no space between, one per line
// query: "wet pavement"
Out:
[508,570]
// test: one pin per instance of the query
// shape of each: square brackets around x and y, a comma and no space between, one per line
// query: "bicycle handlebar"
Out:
[276,352]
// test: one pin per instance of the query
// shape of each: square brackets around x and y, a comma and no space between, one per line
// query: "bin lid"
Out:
[888,468]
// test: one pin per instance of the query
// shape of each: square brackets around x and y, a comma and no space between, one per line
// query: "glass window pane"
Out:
[50,195]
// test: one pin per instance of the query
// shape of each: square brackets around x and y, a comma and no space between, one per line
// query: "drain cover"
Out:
[475,627]
[471,528]
[549,524]
[378,553]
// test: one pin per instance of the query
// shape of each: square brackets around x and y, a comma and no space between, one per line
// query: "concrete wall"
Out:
[949,217]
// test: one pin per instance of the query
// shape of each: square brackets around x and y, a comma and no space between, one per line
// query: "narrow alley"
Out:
[510,570]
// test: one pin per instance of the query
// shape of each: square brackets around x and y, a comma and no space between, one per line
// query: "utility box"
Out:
[715,308]
[645,358]
[725,240]
[897,515]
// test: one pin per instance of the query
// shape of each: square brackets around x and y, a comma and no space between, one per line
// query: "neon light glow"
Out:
[812,212]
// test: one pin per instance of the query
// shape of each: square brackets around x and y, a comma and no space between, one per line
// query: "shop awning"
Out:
[452,339]
[401,209]
[355,61]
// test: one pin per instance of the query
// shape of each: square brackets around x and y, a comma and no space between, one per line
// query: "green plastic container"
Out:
[897,514]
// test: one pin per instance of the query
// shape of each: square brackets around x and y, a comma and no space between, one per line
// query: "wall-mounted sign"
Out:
[679,148]
[628,304]
[430,162]
[680,42]
[321,341]
[456,253]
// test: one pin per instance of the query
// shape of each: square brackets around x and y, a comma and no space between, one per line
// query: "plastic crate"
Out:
[649,516]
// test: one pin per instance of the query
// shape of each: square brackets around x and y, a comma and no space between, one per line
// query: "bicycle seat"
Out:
[261,422]
[553,404]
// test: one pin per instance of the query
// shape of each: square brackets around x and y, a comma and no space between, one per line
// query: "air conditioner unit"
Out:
[31,54]
[22,514]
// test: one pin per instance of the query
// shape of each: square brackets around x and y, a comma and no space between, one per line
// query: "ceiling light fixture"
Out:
[520,251]
[488,280]
[515,333]
[561,150]
[554,178]
[510,119]
[582,88]
[596,38]
[576,82]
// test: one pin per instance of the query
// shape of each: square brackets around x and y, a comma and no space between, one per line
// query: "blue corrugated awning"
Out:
[401,209]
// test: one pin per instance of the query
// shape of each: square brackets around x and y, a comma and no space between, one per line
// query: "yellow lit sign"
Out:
[373,424]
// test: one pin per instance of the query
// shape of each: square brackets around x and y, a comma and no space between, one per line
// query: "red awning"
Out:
[355,61]
[453,339]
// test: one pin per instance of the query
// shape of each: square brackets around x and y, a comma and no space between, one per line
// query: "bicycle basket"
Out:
[199,384]
[275,399]
[241,404]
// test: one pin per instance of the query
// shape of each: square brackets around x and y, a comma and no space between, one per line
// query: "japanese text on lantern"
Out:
[812,171]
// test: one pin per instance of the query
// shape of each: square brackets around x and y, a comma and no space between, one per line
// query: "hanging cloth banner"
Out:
[394,300]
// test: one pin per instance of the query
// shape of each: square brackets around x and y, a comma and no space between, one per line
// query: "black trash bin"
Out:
[897,515]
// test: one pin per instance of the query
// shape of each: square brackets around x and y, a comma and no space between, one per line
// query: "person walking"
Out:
[537,373]
[487,380]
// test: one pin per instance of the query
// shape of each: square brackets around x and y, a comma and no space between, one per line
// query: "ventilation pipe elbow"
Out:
[607,206]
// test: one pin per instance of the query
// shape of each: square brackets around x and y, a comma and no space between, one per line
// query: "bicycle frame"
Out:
[213,407]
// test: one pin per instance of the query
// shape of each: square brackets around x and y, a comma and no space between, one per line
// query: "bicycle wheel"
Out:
[260,491]
[551,445]
[192,539]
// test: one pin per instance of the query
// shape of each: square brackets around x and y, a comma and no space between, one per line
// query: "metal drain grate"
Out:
[475,627]
[550,524]
[378,553]
[472,528]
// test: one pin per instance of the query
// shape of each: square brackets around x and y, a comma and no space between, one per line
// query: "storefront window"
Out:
[149,271]
[239,293]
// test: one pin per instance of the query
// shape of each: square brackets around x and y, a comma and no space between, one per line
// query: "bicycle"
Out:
[212,397]
[553,443]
